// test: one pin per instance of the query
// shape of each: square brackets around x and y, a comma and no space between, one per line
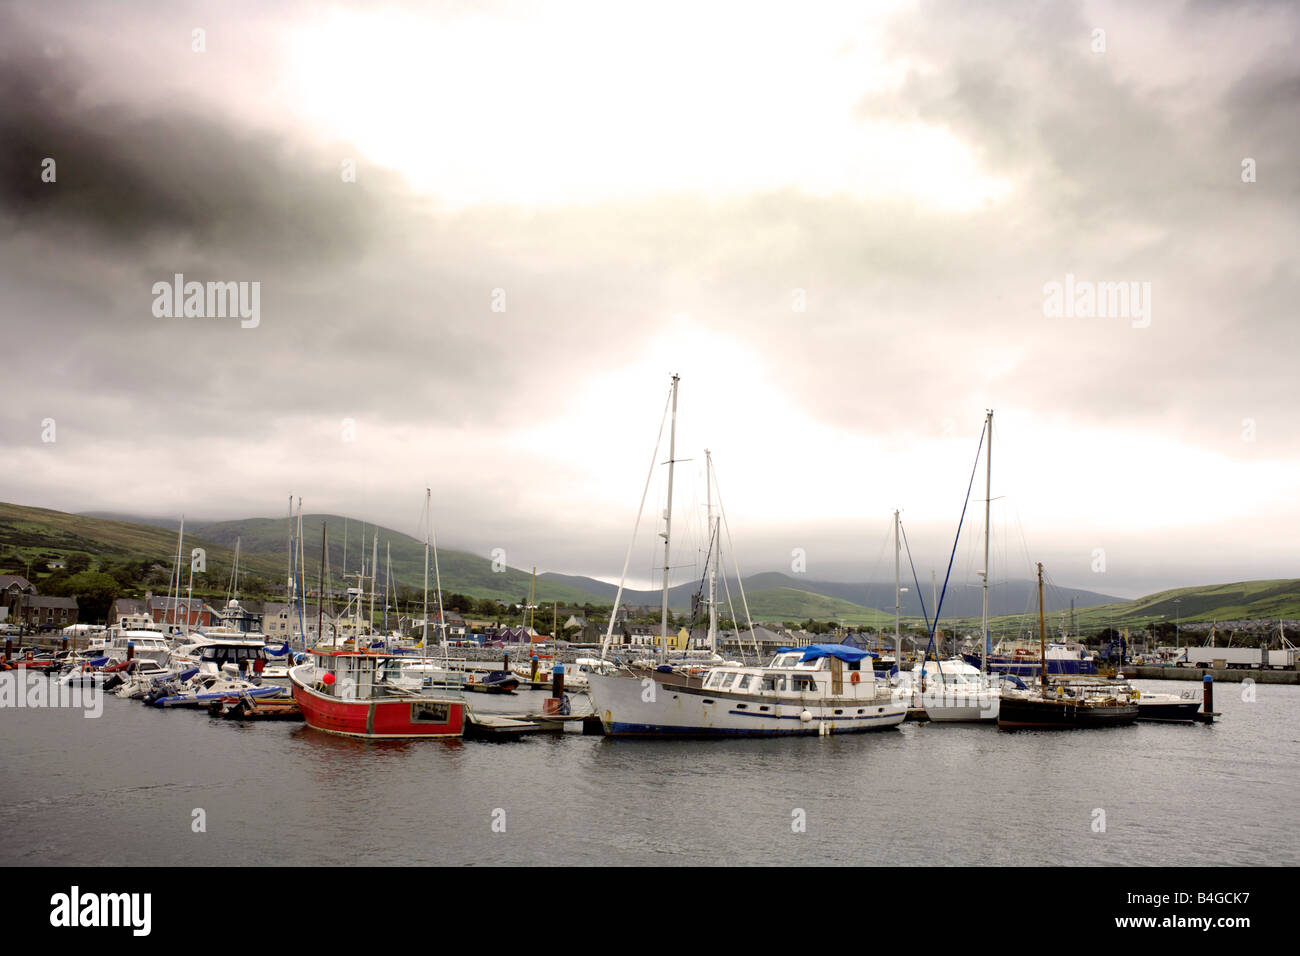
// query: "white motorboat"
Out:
[819,689]
[952,690]
[138,643]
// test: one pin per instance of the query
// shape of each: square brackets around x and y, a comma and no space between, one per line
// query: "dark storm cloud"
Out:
[376,298]
[142,179]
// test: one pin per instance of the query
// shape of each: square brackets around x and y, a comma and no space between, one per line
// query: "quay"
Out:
[1230,675]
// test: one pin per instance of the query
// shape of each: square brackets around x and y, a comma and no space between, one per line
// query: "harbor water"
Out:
[133,786]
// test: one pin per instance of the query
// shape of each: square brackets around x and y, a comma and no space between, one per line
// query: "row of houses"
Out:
[22,605]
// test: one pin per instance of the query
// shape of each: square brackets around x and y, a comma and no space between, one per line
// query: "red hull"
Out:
[401,717]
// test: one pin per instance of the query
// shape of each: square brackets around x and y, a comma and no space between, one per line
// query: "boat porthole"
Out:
[861,711]
[709,702]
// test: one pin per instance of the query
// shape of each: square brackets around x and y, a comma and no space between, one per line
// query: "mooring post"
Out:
[1207,693]
[557,680]
[130,650]
[532,671]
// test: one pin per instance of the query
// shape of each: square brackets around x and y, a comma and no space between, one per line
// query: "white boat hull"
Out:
[632,707]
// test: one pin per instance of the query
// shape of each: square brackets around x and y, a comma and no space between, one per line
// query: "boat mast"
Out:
[988,495]
[898,605]
[320,602]
[668,527]
[176,575]
[374,577]
[713,546]
[288,578]
[388,580]
[428,505]
[1042,636]
[189,596]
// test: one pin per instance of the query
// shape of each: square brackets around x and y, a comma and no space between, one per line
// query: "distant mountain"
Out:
[459,571]
[29,534]
[1009,597]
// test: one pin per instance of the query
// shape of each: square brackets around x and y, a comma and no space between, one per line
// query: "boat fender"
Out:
[805,717]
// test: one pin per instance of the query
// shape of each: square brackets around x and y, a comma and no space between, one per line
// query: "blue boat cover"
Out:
[284,649]
[844,652]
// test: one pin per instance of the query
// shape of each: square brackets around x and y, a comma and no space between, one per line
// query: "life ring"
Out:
[855,678]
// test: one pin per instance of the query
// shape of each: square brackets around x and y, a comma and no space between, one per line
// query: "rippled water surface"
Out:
[122,789]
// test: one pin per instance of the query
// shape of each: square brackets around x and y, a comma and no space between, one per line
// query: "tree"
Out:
[78,561]
[94,592]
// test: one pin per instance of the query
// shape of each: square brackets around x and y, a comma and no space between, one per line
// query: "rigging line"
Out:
[919,595]
[875,568]
[740,582]
[609,631]
[948,573]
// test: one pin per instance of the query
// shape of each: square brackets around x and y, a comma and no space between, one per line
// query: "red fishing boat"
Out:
[379,695]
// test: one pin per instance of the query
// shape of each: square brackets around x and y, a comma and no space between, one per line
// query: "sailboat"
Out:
[1066,702]
[820,689]
[953,689]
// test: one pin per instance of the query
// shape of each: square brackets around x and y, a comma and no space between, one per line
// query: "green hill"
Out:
[1242,600]
[789,604]
[471,574]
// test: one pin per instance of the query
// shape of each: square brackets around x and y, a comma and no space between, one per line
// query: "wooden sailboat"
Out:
[1066,702]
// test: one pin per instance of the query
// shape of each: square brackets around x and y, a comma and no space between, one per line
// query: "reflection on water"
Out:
[122,790]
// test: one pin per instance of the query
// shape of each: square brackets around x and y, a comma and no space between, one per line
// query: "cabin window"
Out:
[855,665]
[769,684]
[431,713]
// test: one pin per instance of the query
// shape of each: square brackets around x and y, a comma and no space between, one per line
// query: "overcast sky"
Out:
[837,222]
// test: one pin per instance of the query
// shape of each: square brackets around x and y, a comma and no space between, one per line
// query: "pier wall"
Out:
[1230,675]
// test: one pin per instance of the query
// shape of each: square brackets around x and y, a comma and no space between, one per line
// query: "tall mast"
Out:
[428,505]
[988,495]
[1042,636]
[189,596]
[898,604]
[713,546]
[320,602]
[668,527]
[374,576]
[388,578]
[176,574]
[288,578]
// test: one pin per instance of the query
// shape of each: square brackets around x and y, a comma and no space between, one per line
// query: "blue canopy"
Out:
[844,652]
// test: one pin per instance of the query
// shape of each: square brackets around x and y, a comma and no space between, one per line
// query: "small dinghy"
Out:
[496,682]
